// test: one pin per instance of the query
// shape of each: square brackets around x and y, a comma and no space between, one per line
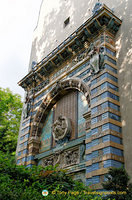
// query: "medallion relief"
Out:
[61,128]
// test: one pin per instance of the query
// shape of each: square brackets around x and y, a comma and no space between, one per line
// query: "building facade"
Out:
[77,108]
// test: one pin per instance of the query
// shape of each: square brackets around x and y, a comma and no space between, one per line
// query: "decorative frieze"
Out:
[63,158]
[102,17]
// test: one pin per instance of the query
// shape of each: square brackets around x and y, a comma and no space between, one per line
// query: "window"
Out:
[66,22]
[25,123]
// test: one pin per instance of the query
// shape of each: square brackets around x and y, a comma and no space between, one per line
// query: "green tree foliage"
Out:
[118,181]
[18,182]
[10,114]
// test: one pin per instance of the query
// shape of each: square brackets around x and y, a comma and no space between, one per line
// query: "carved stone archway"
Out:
[60,89]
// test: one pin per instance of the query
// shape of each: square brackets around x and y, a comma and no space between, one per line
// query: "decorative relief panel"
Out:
[45,138]
[61,128]
[82,108]
[66,106]
[63,158]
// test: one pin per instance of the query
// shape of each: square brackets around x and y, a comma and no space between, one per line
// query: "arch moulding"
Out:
[61,88]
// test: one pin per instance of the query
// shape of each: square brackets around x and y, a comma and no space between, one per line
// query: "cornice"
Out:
[102,19]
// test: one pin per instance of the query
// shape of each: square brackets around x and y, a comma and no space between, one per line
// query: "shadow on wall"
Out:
[50,37]
[124,63]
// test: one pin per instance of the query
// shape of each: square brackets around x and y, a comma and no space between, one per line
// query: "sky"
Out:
[18,19]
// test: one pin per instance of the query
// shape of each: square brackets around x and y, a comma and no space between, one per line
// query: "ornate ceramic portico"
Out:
[71,113]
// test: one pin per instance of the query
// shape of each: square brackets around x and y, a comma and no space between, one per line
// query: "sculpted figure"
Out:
[75,157]
[68,157]
[96,58]
[61,128]
[27,107]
